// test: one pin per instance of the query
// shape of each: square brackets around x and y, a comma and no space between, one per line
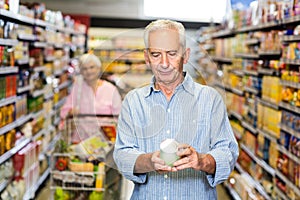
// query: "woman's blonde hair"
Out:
[165,24]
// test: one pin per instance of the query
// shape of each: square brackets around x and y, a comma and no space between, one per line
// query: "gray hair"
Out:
[87,58]
[165,24]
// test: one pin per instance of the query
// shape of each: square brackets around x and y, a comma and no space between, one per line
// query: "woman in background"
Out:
[90,94]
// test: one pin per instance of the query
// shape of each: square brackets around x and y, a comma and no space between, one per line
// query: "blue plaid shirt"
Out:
[195,115]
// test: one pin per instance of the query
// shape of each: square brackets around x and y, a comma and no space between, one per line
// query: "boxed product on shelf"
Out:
[21,106]
[271,89]
[250,141]
[272,155]
[7,114]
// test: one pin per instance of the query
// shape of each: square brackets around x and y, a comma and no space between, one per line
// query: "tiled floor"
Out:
[45,194]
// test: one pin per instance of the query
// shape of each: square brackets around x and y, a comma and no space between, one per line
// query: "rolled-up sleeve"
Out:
[126,147]
[224,147]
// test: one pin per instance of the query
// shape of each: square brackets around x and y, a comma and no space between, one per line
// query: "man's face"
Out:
[165,55]
[90,72]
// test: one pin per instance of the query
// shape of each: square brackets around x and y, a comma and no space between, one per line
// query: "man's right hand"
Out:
[151,162]
[159,165]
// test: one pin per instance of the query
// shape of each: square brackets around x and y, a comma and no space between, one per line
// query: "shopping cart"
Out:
[82,166]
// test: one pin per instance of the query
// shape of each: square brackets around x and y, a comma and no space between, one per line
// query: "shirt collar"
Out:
[187,84]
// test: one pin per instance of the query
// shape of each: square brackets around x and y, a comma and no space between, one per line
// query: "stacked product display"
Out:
[37,46]
[259,61]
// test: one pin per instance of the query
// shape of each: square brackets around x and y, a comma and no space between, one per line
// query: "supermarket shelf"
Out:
[76,188]
[50,114]
[23,61]
[58,72]
[52,144]
[268,103]
[30,194]
[236,115]
[237,91]
[289,130]
[290,84]
[8,42]
[249,127]
[27,37]
[290,38]
[289,154]
[252,41]
[238,72]
[56,121]
[21,19]
[280,193]
[38,134]
[208,47]
[223,33]
[24,89]
[40,44]
[37,93]
[294,19]
[15,124]
[38,114]
[259,161]
[288,182]
[221,59]
[64,85]
[4,184]
[8,15]
[232,192]
[48,96]
[252,112]
[251,72]
[267,71]
[268,25]
[247,55]
[58,46]
[257,185]
[269,53]
[14,150]
[237,133]
[9,70]
[60,103]
[290,61]
[49,58]
[268,135]
[289,107]
[251,89]
[39,69]
[7,101]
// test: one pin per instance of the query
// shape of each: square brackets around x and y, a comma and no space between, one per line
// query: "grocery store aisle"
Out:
[45,193]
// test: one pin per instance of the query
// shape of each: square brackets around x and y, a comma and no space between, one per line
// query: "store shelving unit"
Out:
[228,62]
[49,131]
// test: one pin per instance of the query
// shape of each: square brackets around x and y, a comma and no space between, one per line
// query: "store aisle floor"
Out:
[45,194]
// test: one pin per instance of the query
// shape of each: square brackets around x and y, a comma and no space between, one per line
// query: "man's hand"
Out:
[190,158]
[151,162]
[159,165]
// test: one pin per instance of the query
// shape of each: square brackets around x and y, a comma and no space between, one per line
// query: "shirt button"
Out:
[166,175]
[165,198]
[168,110]
[168,131]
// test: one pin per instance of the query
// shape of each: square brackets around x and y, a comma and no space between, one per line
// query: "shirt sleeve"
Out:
[126,148]
[224,147]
